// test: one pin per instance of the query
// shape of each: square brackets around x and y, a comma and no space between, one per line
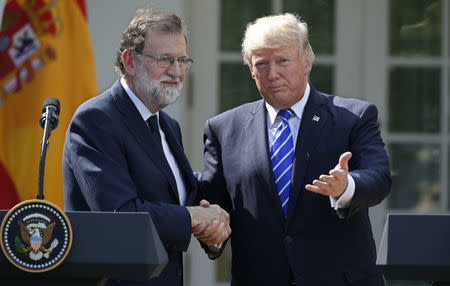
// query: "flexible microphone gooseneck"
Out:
[48,122]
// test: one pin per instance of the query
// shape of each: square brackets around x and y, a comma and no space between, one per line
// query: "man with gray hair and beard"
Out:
[123,153]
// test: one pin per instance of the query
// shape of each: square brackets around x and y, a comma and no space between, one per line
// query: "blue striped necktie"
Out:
[282,156]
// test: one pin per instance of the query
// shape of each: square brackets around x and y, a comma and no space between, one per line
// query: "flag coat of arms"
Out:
[45,51]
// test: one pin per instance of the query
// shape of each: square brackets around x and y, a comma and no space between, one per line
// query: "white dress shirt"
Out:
[294,123]
[145,113]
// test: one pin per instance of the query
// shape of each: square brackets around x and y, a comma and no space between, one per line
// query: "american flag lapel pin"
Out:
[316,118]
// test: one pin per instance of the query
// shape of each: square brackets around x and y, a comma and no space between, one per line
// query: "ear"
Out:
[308,67]
[129,62]
[251,70]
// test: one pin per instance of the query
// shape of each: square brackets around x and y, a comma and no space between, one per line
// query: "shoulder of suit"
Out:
[241,112]
[169,119]
[353,105]
[100,103]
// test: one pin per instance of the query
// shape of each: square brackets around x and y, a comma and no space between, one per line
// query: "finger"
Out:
[221,239]
[204,203]
[343,160]
[209,230]
[217,237]
[198,229]
[213,236]
[321,184]
[327,179]
[315,189]
[338,174]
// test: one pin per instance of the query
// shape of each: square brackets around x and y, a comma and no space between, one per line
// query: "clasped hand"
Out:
[210,223]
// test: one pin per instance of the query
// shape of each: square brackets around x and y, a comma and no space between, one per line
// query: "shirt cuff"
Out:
[215,248]
[346,198]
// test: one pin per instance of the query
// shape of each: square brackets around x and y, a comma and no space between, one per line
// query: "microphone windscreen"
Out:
[51,101]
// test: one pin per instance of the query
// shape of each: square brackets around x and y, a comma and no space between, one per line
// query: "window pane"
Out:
[235,14]
[415,27]
[236,86]
[415,177]
[319,15]
[322,78]
[414,100]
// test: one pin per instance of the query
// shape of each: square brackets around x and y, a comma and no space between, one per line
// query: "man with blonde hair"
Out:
[297,170]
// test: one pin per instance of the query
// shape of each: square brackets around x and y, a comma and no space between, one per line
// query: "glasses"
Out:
[167,61]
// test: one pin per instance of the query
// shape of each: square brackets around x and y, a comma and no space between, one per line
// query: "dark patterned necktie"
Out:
[154,128]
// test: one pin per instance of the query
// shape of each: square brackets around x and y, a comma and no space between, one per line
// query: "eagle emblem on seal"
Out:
[37,236]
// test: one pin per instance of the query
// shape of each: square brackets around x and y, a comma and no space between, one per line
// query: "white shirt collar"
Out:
[143,110]
[298,107]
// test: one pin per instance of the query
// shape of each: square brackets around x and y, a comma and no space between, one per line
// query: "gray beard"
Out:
[152,89]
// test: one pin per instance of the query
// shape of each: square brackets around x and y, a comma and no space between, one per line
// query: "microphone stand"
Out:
[44,147]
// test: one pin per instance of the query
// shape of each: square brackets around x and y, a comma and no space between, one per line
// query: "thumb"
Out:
[343,160]
[204,203]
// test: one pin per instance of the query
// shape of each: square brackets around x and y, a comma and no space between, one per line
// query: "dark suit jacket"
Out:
[313,242]
[111,163]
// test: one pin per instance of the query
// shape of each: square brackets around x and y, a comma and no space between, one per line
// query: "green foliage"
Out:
[19,245]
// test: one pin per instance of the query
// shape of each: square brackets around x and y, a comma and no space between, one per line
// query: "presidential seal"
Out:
[36,236]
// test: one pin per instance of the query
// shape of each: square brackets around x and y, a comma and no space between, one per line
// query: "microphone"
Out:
[50,112]
[48,122]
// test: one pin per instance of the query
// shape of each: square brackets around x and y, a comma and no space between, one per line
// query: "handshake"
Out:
[210,223]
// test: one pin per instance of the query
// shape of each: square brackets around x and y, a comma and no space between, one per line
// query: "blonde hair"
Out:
[274,31]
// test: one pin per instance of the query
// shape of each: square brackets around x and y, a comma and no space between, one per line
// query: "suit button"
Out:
[178,271]
[288,239]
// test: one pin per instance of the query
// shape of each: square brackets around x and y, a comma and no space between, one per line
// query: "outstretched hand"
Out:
[336,182]
[210,223]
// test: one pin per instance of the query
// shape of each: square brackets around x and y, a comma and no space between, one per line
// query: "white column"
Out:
[349,56]
[202,18]
[375,75]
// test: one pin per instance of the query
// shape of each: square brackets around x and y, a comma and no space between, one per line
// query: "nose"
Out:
[175,70]
[272,72]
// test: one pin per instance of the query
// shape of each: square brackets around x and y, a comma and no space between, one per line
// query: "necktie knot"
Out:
[286,113]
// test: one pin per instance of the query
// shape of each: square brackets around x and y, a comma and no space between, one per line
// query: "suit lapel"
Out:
[257,133]
[141,132]
[178,152]
[311,128]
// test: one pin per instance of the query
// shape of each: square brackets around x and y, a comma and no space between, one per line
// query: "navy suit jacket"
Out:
[112,163]
[313,242]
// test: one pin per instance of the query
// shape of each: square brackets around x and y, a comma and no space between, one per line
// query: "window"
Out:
[418,128]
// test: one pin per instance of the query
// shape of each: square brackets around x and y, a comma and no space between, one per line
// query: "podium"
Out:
[416,247]
[105,245]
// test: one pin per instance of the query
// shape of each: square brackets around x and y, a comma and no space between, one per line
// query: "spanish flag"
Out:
[45,51]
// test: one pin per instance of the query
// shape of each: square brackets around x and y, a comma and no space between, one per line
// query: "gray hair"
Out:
[153,19]
[275,31]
